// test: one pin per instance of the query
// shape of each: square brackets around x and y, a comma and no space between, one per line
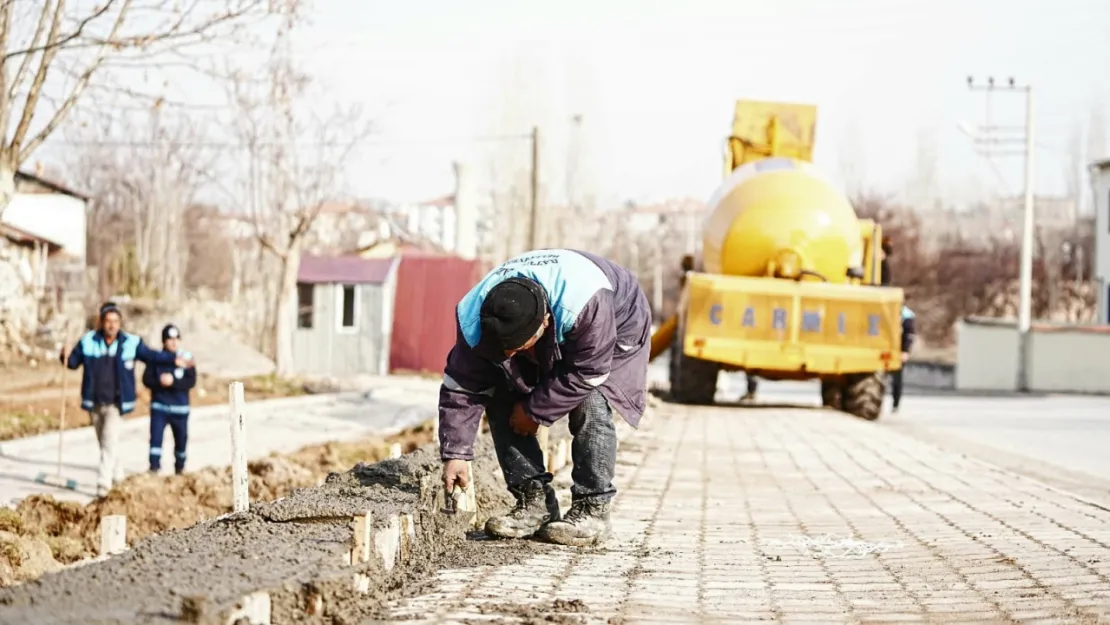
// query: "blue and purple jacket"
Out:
[599,339]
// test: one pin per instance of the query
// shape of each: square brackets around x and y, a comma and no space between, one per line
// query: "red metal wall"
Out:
[428,288]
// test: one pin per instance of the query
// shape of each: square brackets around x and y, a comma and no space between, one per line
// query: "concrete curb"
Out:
[400,528]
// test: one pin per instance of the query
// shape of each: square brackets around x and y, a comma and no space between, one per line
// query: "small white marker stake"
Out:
[240,493]
[469,500]
[387,541]
[113,534]
[254,608]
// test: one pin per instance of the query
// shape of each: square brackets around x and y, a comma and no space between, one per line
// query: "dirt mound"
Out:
[41,532]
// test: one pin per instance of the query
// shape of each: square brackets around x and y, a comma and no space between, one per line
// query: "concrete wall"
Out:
[986,357]
[329,349]
[1062,359]
[930,375]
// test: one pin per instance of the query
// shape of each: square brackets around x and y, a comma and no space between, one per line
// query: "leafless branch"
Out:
[59,43]
[25,151]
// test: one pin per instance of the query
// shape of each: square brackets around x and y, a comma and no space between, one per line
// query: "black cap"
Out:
[109,307]
[513,312]
[170,332]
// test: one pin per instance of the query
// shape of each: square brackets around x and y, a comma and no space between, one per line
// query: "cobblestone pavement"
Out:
[802,516]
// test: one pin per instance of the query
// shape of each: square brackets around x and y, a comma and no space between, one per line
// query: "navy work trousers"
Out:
[179,425]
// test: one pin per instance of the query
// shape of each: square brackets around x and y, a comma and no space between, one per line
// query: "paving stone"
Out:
[810,517]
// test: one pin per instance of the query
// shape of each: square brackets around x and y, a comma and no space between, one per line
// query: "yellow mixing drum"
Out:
[780,217]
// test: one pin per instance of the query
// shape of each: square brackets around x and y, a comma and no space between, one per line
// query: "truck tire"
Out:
[832,394]
[863,395]
[693,381]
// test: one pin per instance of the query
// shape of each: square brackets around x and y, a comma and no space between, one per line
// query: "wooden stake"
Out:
[65,399]
[113,534]
[362,543]
[239,482]
[408,536]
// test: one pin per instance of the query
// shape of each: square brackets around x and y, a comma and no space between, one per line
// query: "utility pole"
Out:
[534,238]
[1026,267]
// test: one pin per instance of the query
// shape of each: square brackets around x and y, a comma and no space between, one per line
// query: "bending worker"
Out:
[547,334]
[108,356]
[169,401]
[908,335]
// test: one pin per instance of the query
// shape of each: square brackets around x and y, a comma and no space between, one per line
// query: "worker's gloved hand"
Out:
[184,363]
[166,379]
[454,473]
[521,423]
[905,356]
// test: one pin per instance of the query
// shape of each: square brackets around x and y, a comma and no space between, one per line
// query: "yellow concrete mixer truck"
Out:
[786,283]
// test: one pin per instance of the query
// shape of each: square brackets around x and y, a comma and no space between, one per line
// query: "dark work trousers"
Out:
[896,386]
[179,425]
[753,383]
[593,450]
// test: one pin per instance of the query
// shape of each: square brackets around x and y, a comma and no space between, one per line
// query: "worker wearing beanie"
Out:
[107,355]
[884,265]
[169,401]
[909,333]
[548,334]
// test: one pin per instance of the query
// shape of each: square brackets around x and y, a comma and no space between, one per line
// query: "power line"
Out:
[231,144]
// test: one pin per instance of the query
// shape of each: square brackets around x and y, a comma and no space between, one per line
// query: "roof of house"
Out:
[439,202]
[23,237]
[56,187]
[343,270]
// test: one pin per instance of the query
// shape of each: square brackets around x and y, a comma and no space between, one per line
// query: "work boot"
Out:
[749,396]
[536,504]
[587,523]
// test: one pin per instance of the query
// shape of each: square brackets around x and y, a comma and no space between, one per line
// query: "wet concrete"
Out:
[294,548]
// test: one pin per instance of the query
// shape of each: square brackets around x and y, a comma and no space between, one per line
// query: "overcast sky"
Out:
[655,83]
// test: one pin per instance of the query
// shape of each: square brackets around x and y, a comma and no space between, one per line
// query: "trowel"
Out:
[451,500]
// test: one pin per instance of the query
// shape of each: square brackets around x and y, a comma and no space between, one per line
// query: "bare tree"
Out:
[141,190]
[295,167]
[53,50]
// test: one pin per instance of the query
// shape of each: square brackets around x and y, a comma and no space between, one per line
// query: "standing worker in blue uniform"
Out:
[107,356]
[908,336]
[169,401]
